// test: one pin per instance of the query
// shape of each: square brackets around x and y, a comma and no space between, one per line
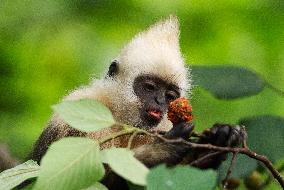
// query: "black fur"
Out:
[219,135]
[113,68]
[48,136]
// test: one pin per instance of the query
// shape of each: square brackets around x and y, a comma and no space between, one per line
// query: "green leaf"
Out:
[123,162]
[181,178]
[227,81]
[70,163]
[243,167]
[96,186]
[13,177]
[85,115]
[266,135]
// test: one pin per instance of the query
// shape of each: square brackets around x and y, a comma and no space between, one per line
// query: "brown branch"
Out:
[123,132]
[130,141]
[233,161]
[269,178]
[244,150]
[201,159]
[263,159]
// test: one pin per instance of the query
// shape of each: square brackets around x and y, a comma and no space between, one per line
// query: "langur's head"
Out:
[147,75]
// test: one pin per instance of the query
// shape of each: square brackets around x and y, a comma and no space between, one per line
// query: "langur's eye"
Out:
[171,95]
[149,86]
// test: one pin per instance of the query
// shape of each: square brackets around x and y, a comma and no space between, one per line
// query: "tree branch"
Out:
[244,150]
[233,161]
[263,159]
[125,131]
[201,159]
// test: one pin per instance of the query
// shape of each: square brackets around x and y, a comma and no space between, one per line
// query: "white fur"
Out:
[156,52]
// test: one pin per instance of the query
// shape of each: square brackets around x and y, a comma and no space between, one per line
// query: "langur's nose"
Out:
[160,100]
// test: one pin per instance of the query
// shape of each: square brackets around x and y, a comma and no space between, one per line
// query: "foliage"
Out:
[49,47]
[12,177]
[228,82]
[264,131]
[83,114]
[242,169]
[77,163]
[180,178]
[70,159]
[123,163]
[96,186]
[266,135]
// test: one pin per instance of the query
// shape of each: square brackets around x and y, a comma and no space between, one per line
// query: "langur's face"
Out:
[155,95]
[142,99]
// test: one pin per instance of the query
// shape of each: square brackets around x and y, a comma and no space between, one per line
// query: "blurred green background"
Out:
[48,48]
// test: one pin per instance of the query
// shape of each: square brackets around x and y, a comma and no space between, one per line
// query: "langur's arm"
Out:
[164,152]
[151,155]
[48,136]
[158,153]
[55,130]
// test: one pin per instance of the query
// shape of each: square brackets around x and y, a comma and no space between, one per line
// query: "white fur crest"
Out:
[156,52]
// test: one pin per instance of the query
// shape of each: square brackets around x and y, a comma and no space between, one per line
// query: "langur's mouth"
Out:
[151,117]
[155,114]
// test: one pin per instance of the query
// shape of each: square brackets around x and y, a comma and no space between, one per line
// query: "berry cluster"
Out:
[180,111]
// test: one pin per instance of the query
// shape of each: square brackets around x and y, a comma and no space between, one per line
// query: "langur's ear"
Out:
[113,68]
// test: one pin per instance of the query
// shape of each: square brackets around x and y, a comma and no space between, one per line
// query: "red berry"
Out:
[180,111]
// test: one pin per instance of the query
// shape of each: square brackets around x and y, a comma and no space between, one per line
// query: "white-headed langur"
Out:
[138,86]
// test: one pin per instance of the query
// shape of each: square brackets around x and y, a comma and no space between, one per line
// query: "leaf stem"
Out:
[203,158]
[275,89]
[125,131]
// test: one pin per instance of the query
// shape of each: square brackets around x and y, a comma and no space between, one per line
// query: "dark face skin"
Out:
[155,95]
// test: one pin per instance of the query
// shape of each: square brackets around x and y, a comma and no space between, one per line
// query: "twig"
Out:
[131,139]
[245,135]
[269,178]
[123,132]
[275,89]
[245,151]
[201,159]
[233,161]
[194,134]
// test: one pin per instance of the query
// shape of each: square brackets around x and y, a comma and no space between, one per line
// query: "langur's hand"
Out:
[180,130]
[180,114]
[223,135]
[219,135]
